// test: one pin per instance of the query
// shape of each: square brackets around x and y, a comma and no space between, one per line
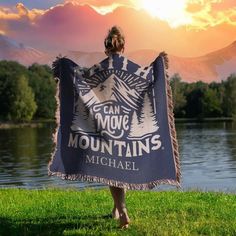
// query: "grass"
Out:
[87,212]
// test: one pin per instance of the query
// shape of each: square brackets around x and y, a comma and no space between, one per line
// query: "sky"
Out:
[182,27]
[41,4]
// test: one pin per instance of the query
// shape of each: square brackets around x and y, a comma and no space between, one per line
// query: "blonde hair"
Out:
[114,41]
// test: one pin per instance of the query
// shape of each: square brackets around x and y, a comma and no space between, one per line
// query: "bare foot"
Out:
[124,219]
[115,213]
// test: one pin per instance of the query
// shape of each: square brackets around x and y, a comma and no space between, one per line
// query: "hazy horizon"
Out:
[186,29]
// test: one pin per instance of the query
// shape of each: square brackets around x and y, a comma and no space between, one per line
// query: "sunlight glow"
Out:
[103,10]
[174,12]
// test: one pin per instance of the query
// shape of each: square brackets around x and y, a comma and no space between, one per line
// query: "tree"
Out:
[23,106]
[146,123]
[194,106]
[148,118]
[44,87]
[134,126]
[10,71]
[220,91]
[229,100]
[211,103]
[179,99]
[83,119]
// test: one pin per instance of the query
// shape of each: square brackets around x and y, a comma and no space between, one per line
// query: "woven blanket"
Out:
[115,124]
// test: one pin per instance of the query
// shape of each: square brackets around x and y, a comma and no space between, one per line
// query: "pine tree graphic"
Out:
[135,128]
[83,118]
[148,118]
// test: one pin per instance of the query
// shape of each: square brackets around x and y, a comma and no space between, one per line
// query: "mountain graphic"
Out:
[112,89]
[107,88]
[123,93]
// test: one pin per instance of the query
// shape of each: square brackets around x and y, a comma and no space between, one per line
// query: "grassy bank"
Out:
[73,212]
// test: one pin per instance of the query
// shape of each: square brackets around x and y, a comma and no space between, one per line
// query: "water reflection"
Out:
[208,157]
[231,140]
[207,153]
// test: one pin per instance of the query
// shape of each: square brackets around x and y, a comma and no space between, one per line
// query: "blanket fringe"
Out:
[115,183]
[171,119]
[56,67]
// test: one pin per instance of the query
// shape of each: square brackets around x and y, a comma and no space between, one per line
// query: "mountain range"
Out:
[214,66]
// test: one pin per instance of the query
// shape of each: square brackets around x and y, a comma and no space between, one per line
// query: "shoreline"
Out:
[41,122]
[211,119]
[32,124]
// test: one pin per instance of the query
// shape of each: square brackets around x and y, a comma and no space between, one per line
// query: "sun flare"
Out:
[2,32]
[174,12]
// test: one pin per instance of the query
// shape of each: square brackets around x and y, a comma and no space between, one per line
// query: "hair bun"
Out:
[115,41]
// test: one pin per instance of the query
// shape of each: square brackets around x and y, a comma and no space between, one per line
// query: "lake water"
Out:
[207,153]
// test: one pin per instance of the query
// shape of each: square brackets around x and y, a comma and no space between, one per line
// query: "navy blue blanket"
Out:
[115,124]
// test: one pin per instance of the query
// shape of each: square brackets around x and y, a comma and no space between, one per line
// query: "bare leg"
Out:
[118,195]
[115,212]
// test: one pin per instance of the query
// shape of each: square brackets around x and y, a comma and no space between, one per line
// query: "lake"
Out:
[207,155]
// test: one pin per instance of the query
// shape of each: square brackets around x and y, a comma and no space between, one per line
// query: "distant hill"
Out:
[12,50]
[213,66]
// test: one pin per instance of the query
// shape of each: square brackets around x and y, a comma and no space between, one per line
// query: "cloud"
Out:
[102,7]
[75,27]
[39,4]
[19,12]
[200,14]
[99,3]
[209,13]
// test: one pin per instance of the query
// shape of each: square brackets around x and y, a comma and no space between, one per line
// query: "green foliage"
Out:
[229,99]
[211,103]
[23,106]
[26,93]
[179,100]
[87,212]
[201,100]
[44,87]
[16,97]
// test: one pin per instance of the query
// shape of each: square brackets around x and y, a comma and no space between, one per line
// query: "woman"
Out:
[91,89]
[115,44]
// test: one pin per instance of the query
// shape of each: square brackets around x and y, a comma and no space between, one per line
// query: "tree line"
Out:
[28,93]
[204,100]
